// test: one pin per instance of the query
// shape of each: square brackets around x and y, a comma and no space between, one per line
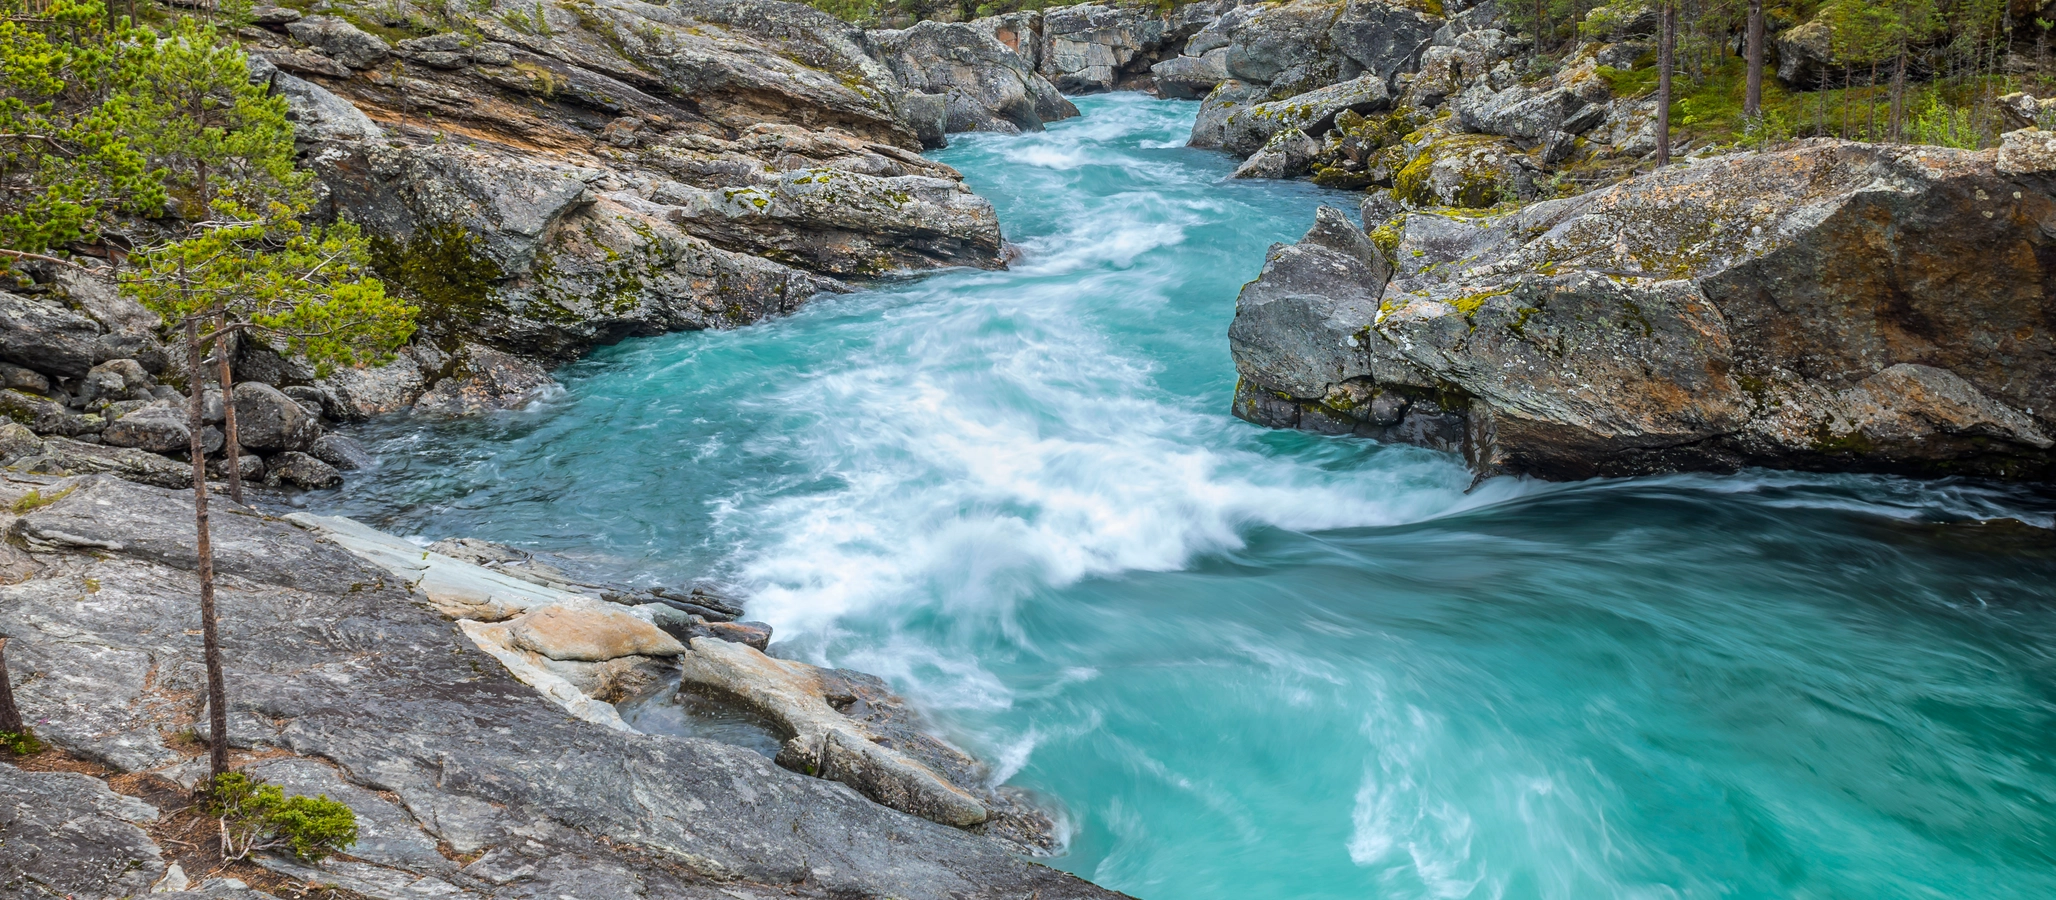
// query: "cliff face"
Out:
[1832,306]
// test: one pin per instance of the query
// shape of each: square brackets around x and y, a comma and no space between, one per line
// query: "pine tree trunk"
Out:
[217,690]
[10,717]
[1752,100]
[1899,96]
[1665,48]
[233,455]
[1539,15]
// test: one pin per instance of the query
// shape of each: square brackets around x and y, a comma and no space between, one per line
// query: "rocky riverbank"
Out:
[346,680]
[1833,306]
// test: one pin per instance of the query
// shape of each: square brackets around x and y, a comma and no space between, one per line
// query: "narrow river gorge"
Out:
[1248,663]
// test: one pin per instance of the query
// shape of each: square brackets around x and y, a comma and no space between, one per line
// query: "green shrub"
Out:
[258,816]
[20,743]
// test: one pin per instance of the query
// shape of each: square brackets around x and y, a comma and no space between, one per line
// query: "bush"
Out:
[20,743]
[258,816]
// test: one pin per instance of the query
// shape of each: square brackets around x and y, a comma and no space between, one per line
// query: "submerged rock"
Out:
[1831,306]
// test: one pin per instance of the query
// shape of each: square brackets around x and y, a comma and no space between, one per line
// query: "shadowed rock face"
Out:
[1833,306]
[332,662]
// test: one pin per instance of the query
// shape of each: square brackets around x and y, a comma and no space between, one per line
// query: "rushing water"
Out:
[1252,664]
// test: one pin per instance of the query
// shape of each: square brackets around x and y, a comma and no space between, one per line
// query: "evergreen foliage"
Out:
[67,164]
[257,816]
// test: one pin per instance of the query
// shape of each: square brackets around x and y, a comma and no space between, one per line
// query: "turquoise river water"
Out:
[1253,664]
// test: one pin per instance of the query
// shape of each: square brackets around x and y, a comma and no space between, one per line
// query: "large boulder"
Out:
[1286,46]
[1830,306]
[1240,127]
[1191,77]
[1091,48]
[300,470]
[47,336]
[842,223]
[985,85]
[1382,37]
[158,429]
[267,419]
[483,379]
[341,41]
[508,164]
[589,635]
[1472,171]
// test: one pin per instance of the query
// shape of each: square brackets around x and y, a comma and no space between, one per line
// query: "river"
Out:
[1252,664]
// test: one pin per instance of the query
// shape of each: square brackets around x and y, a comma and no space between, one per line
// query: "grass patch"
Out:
[35,500]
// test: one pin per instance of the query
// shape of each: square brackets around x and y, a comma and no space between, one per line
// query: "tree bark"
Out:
[1665,47]
[1540,15]
[232,455]
[1899,95]
[10,717]
[217,690]
[1752,99]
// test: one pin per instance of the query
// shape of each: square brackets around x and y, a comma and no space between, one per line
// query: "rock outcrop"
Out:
[344,682]
[1832,306]
[984,85]
[547,180]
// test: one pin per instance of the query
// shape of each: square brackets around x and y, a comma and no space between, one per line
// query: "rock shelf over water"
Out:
[333,661]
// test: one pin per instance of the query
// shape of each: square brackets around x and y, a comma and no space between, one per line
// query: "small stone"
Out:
[16,377]
[590,635]
[310,398]
[753,634]
[274,15]
[251,465]
[300,470]
[17,442]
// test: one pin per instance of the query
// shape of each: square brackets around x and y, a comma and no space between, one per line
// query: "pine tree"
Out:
[66,166]
[242,265]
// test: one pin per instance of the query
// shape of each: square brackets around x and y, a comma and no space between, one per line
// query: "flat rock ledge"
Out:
[464,714]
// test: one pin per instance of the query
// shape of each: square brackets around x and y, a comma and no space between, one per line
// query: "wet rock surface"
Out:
[350,685]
